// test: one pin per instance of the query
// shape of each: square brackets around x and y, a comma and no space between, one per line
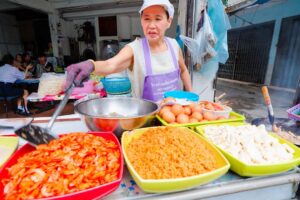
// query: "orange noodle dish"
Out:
[168,152]
[72,163]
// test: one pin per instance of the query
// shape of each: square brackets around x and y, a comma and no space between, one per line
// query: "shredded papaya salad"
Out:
[72,163]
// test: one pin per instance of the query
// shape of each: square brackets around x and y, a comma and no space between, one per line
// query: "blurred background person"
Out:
[18,62]
[42,66]
[8,76]
[27,59]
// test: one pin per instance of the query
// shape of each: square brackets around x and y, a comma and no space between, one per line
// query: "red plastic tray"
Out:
[92,193]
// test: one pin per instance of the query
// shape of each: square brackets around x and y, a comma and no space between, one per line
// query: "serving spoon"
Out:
[36,135]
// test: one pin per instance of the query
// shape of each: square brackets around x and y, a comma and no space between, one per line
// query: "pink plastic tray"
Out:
[294,112]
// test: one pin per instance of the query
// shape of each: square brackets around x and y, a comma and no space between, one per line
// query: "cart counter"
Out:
[228,187]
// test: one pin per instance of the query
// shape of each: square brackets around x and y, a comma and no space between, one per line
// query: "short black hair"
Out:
[26,54]
[167,13]
[8,59]
[18,54]
[41,55]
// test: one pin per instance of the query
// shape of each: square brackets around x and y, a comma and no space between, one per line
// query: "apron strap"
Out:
[147,58]
[146,50]
[175,62]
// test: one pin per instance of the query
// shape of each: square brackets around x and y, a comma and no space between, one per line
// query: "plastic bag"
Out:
[88,87]
[201,47]
[220,24]
[178,39]
[51,84]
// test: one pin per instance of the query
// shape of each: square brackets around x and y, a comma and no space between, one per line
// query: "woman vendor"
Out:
[155,62]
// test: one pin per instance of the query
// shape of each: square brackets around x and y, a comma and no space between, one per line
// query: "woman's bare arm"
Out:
[184,73]
[119,62]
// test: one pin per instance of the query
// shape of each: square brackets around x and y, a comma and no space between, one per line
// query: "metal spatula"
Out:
[36,135]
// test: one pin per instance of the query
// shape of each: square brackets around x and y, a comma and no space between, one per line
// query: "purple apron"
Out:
[155,85]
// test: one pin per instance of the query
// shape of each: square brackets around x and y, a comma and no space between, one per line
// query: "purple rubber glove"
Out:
[81,71]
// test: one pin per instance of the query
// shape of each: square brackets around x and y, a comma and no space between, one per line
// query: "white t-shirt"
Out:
[161,63]
[9,74]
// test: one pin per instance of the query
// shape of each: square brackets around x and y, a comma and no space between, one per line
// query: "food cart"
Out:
[229,186]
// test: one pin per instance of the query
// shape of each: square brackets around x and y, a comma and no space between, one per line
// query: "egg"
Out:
[197,115]
[177,109]
[202,104]
[193,120]
[182,118]
[192,104]
[209,106]
[197,108]
[168,116]
[164,109]
[187,110]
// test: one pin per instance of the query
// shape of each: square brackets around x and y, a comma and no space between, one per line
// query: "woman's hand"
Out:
[30,66]
[26,73]
[79,72]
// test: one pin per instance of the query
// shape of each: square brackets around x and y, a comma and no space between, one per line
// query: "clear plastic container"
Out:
[219,113]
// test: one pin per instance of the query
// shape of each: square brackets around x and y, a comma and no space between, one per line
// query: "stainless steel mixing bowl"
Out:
[116,114]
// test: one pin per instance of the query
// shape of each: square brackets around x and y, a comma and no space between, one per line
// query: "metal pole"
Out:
[297,93]
[193,35]
[190,32]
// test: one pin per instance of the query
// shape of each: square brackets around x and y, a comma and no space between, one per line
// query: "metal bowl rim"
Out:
[114,98]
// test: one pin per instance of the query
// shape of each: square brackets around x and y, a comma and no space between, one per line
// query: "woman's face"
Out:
[16,64]
[19,58]
[155,23]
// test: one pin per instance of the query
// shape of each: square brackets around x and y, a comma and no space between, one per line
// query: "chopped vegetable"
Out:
[72,163]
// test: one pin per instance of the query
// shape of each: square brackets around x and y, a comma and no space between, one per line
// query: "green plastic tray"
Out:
[8,145]
[233,117]
[244,169]
[175,184]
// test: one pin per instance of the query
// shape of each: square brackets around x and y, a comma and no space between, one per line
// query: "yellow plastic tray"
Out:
[177,184]
[8,145]
[233,117]
[244,169]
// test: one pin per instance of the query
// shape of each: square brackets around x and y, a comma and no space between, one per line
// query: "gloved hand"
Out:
[80,71]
